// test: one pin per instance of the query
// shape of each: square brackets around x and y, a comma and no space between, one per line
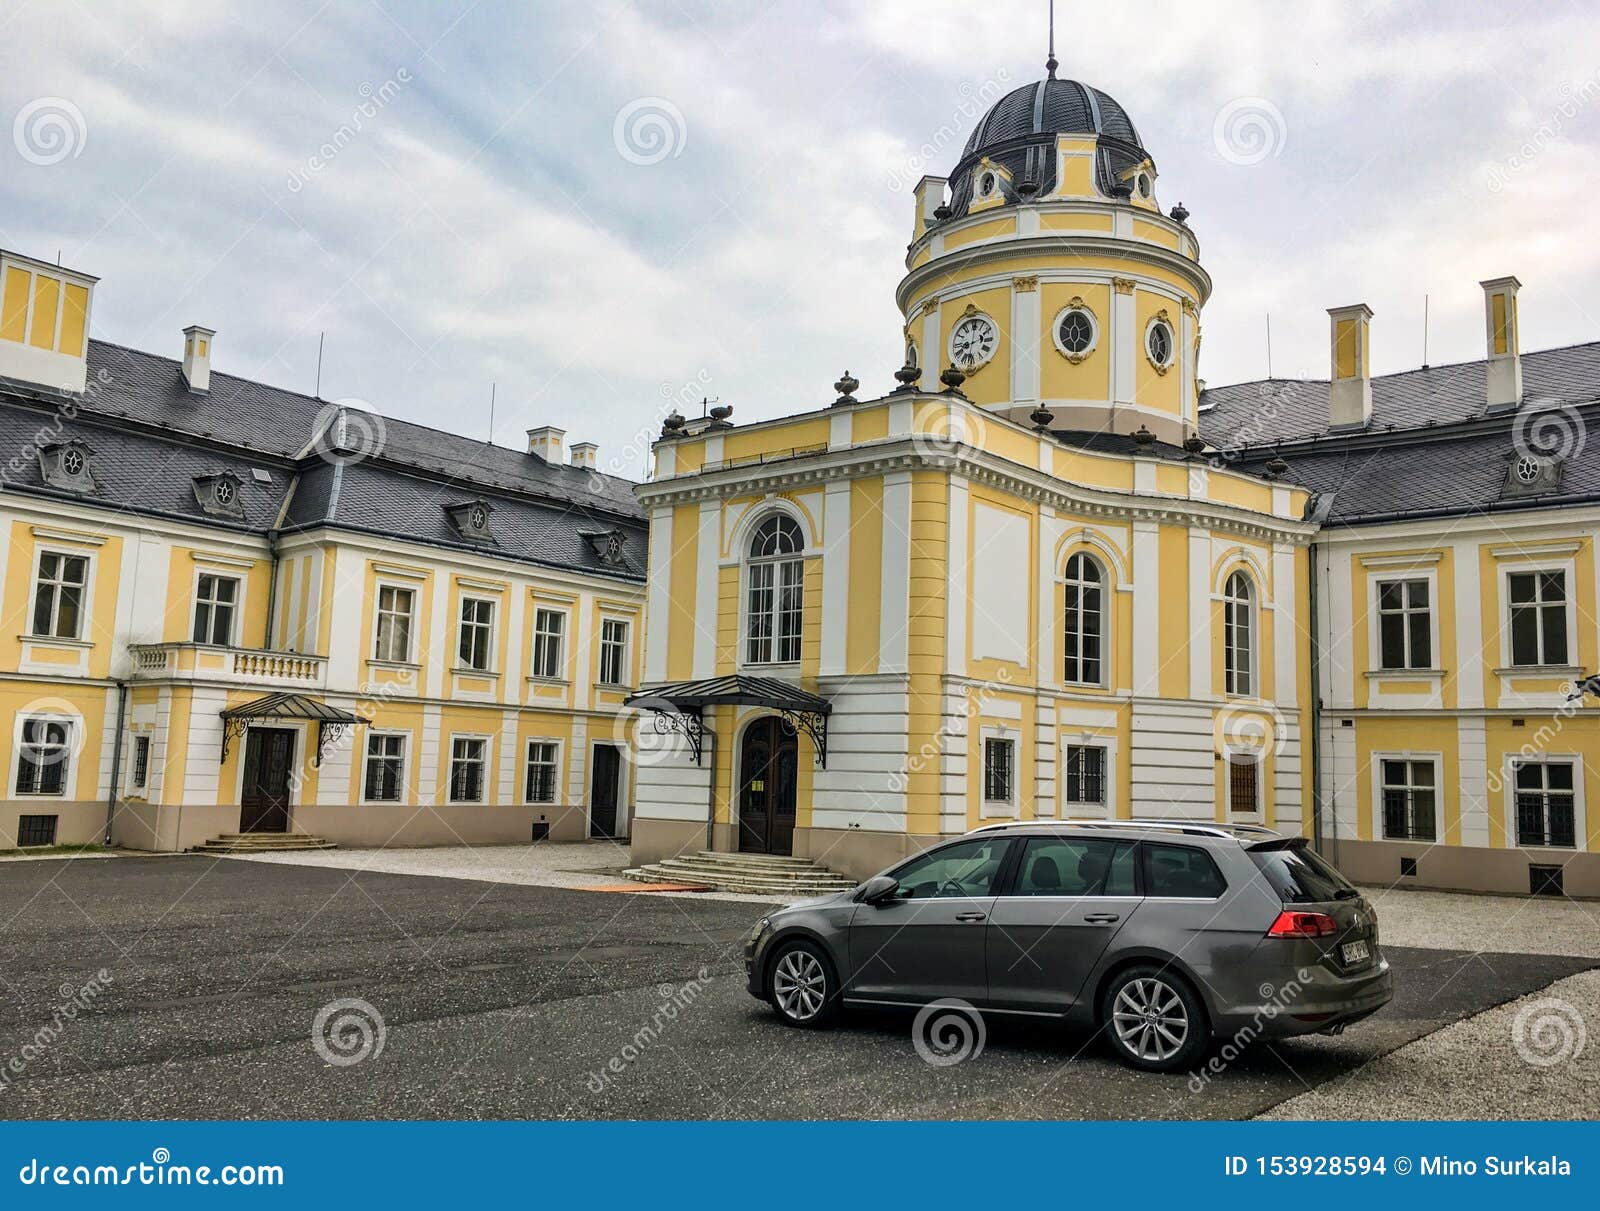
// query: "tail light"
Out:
[1303,925]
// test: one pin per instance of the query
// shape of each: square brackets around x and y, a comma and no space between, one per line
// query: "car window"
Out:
[1075,866]
[1179,870]
[969,868]
[1300,875]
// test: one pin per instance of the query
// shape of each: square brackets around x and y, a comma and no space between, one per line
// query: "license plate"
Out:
[1355,952]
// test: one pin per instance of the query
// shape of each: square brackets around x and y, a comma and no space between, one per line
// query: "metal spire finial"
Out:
[1050,64]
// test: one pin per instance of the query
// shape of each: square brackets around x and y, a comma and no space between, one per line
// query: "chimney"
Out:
[1350,386]
[197,357]
[930,196]
[546,442]
[583,455]
[1505,358]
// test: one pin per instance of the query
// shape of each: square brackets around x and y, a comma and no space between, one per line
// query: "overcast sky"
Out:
[606,209]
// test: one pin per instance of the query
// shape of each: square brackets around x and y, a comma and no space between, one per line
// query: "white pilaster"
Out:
[1200,614]
[895,596]
[956,579]
[707,552]
[835,577]
[1146,607]
[657,608]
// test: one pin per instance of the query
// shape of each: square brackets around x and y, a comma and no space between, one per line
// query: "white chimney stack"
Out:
[197,357]
[1350,384]
[546,442]
[930,196]
[584,455]
[1500,327]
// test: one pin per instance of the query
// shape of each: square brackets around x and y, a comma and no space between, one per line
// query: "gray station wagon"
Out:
[1164,934]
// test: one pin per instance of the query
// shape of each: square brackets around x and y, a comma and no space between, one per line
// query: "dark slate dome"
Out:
[1019,134]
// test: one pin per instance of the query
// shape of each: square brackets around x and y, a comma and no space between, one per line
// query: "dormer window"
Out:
[986,184]
[471,519]
[607,544]
[218,494]
[1532,475]
[65,465]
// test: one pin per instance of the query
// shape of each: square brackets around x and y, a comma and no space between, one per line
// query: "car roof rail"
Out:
[1194,828]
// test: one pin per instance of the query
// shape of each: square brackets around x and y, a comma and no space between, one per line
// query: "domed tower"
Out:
[1044,269]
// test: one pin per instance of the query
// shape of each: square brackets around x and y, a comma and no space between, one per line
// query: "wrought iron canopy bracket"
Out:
[686,723]
[813,724]
[233,728]
[329,733]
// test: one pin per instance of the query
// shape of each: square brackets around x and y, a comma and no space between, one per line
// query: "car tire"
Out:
[1154,1019]
[801,985]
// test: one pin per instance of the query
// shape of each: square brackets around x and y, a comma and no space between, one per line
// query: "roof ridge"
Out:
[1428,369]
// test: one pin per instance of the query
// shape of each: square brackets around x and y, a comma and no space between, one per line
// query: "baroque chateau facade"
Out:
[1050,574]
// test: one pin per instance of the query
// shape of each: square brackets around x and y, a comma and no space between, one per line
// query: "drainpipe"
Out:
[1316,699]
[116,756]
[711,792]
[272,588]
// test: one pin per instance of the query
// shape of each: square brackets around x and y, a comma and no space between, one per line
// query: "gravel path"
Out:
[1454,921]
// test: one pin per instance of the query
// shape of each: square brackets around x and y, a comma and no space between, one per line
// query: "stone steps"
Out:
[781,877]
[261,843]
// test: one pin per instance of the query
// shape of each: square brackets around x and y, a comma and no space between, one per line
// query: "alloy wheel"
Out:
[799,984]
[1150,1019]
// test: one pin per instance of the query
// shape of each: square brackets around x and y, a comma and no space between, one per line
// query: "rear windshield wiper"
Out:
[1347,893]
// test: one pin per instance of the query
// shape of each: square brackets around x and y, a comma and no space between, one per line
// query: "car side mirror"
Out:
[878,889]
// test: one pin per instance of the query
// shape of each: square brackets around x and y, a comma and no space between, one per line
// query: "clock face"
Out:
[973,341]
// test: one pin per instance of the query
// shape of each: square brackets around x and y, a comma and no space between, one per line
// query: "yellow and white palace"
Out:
[1052,575]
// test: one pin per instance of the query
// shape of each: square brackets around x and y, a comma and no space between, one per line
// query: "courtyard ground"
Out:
[507,997]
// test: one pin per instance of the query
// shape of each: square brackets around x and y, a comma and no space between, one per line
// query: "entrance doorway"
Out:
[604,784]
[768,760]
[264,799]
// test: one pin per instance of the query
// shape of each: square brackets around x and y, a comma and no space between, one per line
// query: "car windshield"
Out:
[1300,875]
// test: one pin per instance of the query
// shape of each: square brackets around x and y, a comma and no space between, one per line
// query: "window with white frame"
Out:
[139,775]
[385,774]
[1085,775]
[1410,798]
[544,757]
[43,753]
[58,594]
[776,592]
[1546,799]
[999,769]
[215,600]
[475,645]
[613,651]
[1244,784]
[1238,635]
[1405,625]
[396,607]
[1085,620]
[467,759]
[549,642]
[1538,617]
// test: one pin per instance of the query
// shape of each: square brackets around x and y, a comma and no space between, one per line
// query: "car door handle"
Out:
[1101,918]
[971,916]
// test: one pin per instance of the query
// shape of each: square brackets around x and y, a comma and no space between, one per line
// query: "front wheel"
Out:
[1156,1020]
[802,987]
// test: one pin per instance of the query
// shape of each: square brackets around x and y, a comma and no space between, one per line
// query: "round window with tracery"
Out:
[72,462]
[1159,345]
[1076,332]
[223,492]
[1528,469]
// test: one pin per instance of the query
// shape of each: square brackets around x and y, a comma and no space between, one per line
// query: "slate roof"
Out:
[1432,447]
[151,436]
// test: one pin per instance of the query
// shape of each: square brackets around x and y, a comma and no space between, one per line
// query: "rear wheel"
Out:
[1154,1019]
[802,987]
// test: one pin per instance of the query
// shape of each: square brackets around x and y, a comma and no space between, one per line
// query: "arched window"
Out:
[1085,620]
[1238,634]
[776,593]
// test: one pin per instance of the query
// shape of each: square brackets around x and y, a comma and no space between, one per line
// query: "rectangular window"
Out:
[549,634]
[542,770]
[999,758]
[477,632]
[466,769]
[1405,625]
[1244,785]
[395,607]
[1086,774]
[1179,872]
[214,600]
[36,830]
[1409,799]
[1538,617]
[1237,649]
[613,651]
[776,609]
[385,773]
[43,756]
[140,776]
[1546,804]
[58,595]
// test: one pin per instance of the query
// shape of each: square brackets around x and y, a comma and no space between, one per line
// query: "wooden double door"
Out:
[769,758]
[268,765]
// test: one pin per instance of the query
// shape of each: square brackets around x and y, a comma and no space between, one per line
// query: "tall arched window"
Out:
[777,592]
[1085,619]
[1238,634]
